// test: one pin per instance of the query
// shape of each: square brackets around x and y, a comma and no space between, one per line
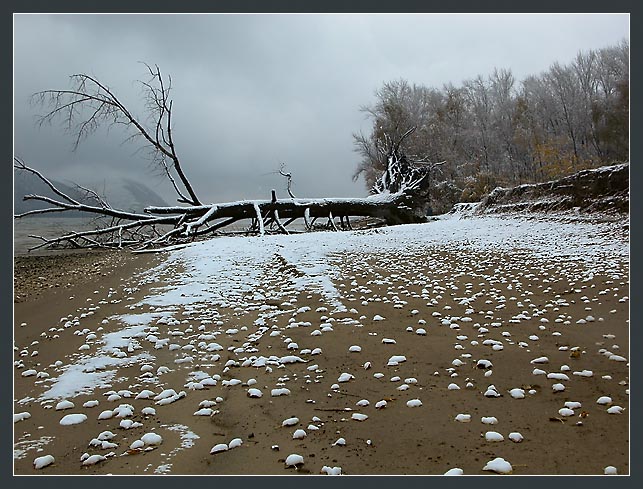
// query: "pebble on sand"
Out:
[44,461]
[493,436]
[72,419]
[293,460]
[219,447]
[498,465]
[21,416]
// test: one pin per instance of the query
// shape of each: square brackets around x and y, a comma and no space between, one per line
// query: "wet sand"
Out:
[489,298]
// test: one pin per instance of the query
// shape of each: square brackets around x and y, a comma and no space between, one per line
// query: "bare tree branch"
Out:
[288,176]
[40,211]
[92,193]
[398,192]
[20,165]
[90,103]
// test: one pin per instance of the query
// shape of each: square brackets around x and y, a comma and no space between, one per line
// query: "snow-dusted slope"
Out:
[604,189]
[231,267]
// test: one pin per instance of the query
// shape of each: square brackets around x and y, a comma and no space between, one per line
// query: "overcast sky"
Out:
[251,91]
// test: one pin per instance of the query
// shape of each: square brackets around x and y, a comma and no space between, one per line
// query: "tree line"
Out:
[495,131]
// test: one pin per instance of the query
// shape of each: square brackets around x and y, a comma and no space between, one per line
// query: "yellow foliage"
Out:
[556,160]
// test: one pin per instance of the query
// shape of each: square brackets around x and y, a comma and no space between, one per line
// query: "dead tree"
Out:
[90,104]
[288,176]
[399,196]
[411,176]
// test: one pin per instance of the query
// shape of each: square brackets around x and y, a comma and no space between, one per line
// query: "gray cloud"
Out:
[251,91]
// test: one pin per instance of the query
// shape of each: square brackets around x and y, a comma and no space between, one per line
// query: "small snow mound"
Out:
[517,393]
[299,434]
[396,359]
[220,447]
[290,359]
[617,358]
[72,419]
[44,461]
[62,405]
[345,377]
[152,439]
[515,437]
[498,465]
[94,459]
[540,360]
[280,392]
[493,436]
[21,416]
[293,460]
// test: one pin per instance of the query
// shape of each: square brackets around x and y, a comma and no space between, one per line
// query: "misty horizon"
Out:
[253,92]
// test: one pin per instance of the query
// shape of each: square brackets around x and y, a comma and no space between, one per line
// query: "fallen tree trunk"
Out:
[190,222]
[399,197]
[392,208]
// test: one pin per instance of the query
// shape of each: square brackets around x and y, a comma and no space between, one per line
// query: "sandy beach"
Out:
[405,350]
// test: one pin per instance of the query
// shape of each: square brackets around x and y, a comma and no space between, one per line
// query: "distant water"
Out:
[51,227]
[48,227]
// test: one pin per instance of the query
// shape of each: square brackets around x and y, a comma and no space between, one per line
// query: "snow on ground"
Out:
[88,373]
[222,271]
[187,441]
[21,448]
[229,268]
[232,273]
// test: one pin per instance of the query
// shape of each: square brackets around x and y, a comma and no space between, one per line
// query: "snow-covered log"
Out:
[188,222]
[399,196]
[393,208]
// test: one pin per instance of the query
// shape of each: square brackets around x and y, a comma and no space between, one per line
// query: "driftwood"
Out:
[143,230]
[399,196]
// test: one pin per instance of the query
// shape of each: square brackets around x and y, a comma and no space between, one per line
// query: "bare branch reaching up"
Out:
[288,176]
[94,195]
[18,164]
[67,203]
[182,198]
[399,193]
[90,104]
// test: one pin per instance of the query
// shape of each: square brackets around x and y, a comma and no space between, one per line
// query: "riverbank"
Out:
[402,350]
[38,274]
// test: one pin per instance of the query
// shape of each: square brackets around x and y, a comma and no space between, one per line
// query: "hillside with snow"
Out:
[604,189]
